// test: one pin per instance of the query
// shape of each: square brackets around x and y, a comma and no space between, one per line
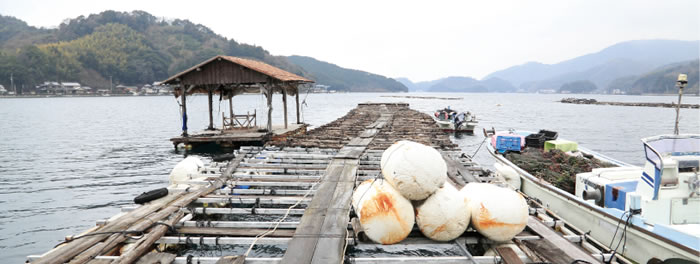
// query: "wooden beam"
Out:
[284,101]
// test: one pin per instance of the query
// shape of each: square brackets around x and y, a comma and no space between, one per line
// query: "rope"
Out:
[477,149]
[270,231]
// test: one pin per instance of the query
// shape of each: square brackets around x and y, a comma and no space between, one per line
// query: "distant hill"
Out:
[622,59]
[660,80]
[457,84]
[132,47]
[343,79]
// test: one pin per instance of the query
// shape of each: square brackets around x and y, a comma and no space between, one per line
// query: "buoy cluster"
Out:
[415,191]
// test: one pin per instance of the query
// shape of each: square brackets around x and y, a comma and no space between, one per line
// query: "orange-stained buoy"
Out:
[386,216]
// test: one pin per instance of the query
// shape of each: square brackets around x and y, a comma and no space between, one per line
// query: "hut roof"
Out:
[214,72]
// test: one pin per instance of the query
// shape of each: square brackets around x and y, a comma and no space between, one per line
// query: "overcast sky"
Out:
[421,40]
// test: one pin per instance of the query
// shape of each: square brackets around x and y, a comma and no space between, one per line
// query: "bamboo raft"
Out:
[289,202]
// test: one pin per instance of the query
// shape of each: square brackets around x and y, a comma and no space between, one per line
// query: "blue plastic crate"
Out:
[507,143]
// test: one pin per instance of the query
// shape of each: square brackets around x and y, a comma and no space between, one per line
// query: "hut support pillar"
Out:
[211,109]
[268,94]
[284,101]
[297,99]
[230,106]
[184,112]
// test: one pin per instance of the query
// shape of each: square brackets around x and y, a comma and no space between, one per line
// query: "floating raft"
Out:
[297,193]
[596,102]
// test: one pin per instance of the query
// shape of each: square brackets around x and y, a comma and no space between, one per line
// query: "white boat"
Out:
[653,212]
[450,121]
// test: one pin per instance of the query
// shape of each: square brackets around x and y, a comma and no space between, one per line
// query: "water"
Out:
[67,162]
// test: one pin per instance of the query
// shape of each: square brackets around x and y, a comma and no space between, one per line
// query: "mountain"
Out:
[578,87]
[130,47]
[660,80]
[408,83]
[342,79]
[457,84]
[622,59]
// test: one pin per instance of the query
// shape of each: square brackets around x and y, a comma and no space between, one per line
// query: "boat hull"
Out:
[447,126]
[642,244]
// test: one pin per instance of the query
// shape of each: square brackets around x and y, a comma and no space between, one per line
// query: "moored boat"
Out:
[646,214]
[451,121]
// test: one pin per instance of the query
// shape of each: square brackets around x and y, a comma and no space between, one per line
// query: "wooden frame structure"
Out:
[230,76]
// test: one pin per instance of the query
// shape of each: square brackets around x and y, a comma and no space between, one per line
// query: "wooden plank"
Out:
[232,259]
[350,153]
[157,257]
[457,171]
[508,255]
[369,133]
[553,246]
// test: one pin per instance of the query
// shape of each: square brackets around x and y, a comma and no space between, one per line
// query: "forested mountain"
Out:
[660,80]
[342,79]
[131,47]
[601,68]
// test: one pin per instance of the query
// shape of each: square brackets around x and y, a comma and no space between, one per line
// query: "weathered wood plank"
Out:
[157,258]
[508,255]
[553,246]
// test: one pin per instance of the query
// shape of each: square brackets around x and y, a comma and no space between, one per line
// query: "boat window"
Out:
[652,157]
[689,146]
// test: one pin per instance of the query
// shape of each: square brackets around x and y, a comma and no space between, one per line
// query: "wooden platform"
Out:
[240,136]
[299,198]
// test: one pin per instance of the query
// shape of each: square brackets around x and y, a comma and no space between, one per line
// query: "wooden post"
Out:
[284,102]
[230,105]
[298,121]
[268,91]
[211,110]
[184,112]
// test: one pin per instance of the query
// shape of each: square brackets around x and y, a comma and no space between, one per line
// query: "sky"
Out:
[420,40]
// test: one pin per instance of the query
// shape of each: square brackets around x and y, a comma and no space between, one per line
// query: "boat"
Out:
[451,121]
[652,211]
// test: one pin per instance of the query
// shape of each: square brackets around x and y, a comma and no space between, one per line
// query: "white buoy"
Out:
[183,169]
[386,216]
[444,215]
[497,213]
[509,174]
[414,169]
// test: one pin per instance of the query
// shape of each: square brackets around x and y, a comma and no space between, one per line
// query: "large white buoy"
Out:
[386,216]
[414,169]
[444,215]
[183,169]
[509,174]
[497,213]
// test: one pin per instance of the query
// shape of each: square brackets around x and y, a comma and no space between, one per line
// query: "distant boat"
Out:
[450,121]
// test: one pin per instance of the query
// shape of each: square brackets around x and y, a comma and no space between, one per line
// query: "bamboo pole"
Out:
[139,219]
[144,244]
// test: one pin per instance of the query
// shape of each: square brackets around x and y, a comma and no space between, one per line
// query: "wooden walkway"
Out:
[299,197]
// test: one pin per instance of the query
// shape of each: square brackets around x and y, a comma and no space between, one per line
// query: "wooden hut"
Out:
[229,76]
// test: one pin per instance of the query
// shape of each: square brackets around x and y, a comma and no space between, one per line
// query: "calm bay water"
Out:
[67,162]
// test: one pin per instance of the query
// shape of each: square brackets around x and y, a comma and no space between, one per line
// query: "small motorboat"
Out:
[451,121]
[655,209]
